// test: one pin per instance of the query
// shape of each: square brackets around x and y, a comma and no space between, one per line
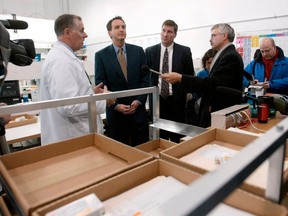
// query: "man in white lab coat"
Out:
[63,76]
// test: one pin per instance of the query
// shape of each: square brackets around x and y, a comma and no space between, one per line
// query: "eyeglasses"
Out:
[214,35]
[265,51]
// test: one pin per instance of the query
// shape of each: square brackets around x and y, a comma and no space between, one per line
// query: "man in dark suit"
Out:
[172,107]
[118,66]
[226,71]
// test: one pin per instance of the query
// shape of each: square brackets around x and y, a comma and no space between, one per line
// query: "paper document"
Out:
[206,158]
[144,202]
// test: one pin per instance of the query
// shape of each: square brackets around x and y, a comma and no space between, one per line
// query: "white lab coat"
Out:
[63,76]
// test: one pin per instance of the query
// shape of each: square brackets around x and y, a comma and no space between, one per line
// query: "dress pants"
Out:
[132,134]
[168,111]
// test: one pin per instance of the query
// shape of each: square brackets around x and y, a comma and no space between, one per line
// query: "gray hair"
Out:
[225,28]
[64,21]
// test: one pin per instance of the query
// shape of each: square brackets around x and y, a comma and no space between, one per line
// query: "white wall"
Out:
[44,9]
[144,18]
[194,18]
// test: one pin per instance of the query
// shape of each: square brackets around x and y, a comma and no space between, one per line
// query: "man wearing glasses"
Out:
[226,71]
[269,66]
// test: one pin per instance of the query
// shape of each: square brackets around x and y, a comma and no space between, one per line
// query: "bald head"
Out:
[267,42]
[268,48]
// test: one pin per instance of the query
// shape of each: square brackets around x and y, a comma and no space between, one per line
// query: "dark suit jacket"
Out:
[108,71]
[181,63]
[227,71]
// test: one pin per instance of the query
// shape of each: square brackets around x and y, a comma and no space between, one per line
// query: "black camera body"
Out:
[20,52]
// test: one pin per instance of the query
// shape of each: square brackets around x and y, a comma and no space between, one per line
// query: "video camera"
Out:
[20,52]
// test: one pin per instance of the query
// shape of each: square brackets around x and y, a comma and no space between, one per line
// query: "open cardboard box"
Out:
[43,174]
[156,146]
[29,119]
[139,175]
[229,139]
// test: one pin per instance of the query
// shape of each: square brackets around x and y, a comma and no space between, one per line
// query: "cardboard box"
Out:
[156,146]
[41,175]
[225,138]
[139,175]
[29,119]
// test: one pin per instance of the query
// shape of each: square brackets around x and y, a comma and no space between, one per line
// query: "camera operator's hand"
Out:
[6,117]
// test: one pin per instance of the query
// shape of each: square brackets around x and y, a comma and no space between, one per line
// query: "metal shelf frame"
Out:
[89,99]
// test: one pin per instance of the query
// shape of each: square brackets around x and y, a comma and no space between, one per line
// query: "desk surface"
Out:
[32,131]
[264,126]
[24,132]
